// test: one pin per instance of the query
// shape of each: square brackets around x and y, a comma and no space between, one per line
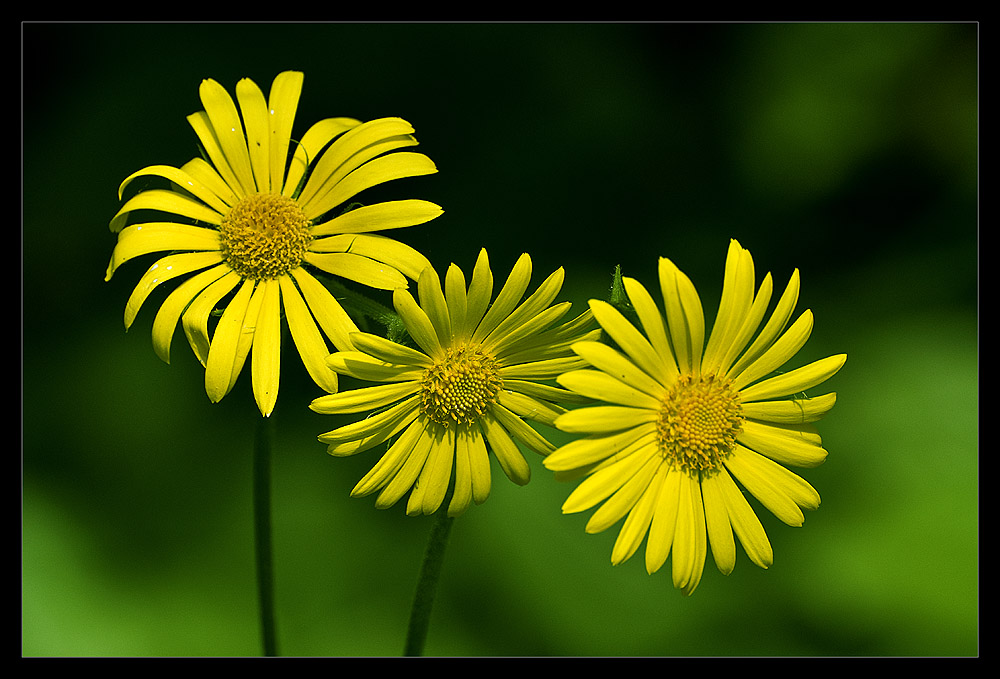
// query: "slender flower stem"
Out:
[262,532]
[430,572]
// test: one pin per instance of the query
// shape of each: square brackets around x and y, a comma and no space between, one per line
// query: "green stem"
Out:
[262,532]
[430,572]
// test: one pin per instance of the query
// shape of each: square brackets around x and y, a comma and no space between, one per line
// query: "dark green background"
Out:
[847,150]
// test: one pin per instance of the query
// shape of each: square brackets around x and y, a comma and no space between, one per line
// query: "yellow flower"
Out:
[474,377]
[681,422]
[253,218]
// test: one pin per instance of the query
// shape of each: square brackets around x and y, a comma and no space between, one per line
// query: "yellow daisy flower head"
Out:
[681,422]
[249,222]
[476,374]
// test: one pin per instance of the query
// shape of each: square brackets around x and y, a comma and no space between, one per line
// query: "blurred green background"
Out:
[847,150]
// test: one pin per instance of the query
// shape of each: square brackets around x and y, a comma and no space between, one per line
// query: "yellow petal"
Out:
[395,214]
[363,367]
[399,256]
[202,126]
[432,301]
[791,411]
[750,325]
[604,358]
[332,318]
[265,362]
[652,321]
[461,497]
[195,317]
[378,171]
[511,460]
[737,298]
[311,346]
[228,131]
[457,300]
[720,532]
[531,308]
[603,483]
[282,104]
[520,340]
[774,326]
[664,522]
[605,419]
[401,419]
[685,318]
[390,463]
[308,149]
[417,323]
[142,239]
[389,351]
[509,296]
[245,343]
[542,370]
[257,121]
[602,387]
[373,425]
[351,150]
[223,351]
[783,443]
[794,381]
[166,201]
[542,392]
[163,270]
[632,342]
[408,472]
[221,196]
[366,398]
[779,353]
[182,178]
[174,305]
[436,476]
[479,462]
[785,481]
[625,498]
[480,292]
[745,523]
[583,452]
[357,268]
[638,520]
[690,543]
[527,406]
[521,431]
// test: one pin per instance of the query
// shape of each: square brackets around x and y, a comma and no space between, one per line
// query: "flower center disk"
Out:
[264,236]
[460,388]
[698,423]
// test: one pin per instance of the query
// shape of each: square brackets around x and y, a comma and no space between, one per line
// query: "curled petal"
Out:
[183,178]
[164,270]
[166,201]
[143,239]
